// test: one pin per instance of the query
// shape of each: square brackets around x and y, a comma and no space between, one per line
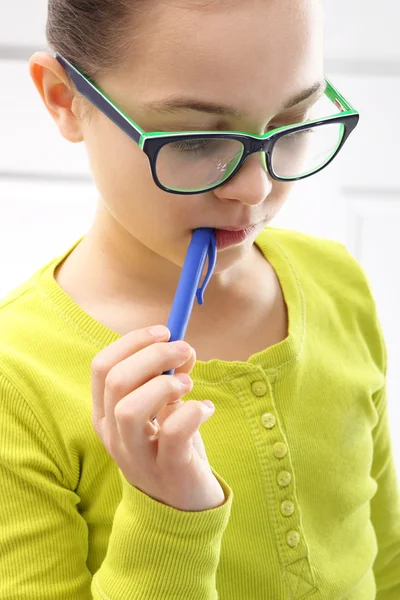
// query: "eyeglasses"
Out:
[194,162]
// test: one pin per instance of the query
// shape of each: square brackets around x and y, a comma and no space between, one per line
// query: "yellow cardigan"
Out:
[299,442]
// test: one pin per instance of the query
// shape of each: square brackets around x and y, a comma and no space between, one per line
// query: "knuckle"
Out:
[171,431]
[99,366]
[114,382]
[173,385]
[123,411]
[159,348]
[158,352]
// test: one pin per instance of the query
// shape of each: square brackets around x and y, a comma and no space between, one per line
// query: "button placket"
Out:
[291,545]
[279,451]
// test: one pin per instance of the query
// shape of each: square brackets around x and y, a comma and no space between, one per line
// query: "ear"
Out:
[57,93]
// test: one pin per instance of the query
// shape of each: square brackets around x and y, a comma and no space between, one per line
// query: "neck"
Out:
[125,285]
[117,266]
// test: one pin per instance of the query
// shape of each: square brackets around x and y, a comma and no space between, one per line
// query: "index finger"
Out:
[113,354]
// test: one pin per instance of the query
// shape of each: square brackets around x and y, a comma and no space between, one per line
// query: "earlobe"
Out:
[57,94]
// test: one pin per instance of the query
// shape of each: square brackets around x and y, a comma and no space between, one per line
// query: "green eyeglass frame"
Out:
[152,142]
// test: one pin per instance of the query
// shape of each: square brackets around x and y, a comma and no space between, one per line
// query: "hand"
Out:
[165,459]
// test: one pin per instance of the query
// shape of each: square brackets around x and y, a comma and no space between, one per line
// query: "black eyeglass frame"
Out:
[152,142]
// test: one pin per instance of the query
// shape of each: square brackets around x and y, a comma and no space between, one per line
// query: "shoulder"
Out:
[25,324]
[315,256]
[331,276]
[305,246]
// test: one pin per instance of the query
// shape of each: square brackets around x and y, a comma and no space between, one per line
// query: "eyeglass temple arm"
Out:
[336,97]
[90,91]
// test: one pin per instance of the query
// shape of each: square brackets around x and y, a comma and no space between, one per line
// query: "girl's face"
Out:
[253,56]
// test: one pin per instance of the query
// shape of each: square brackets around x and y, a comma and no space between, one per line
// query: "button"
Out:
[292,538]
[287,508]
[284,478]
[258,388]
[279,450]
[268,420]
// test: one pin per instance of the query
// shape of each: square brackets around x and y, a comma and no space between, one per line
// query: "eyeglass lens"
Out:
[197,164]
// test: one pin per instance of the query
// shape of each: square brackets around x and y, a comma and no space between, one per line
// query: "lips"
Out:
[238,228]
[234,229]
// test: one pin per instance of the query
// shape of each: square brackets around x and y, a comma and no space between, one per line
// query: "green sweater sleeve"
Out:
[385,504]
[154,551]
[385,507]
[159,552]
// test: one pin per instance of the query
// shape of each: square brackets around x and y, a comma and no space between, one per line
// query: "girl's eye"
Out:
[291,120]
[189,145]
[194,146]
[290,138]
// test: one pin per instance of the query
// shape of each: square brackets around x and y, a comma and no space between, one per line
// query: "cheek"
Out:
[116,162]
[278,196]
[120,170]
[122,174]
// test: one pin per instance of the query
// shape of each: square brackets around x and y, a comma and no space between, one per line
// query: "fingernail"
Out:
[183,348]
[208,404]
[159,331]
[183,379]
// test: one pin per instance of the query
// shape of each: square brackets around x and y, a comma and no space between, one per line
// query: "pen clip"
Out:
[212,258]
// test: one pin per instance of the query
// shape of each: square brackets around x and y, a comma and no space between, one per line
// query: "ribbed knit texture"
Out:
[299,442]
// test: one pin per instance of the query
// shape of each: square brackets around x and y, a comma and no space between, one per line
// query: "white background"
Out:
[47,199]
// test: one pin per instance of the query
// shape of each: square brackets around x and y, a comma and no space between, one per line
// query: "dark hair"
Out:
[95,35]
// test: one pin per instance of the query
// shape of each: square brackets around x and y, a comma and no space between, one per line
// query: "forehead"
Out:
[234,52]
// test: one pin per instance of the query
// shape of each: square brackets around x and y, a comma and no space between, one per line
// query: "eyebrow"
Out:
[175,103]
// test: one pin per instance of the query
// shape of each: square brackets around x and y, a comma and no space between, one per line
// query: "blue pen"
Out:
[202,245]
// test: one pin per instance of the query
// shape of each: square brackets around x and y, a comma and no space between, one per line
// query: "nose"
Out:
[251,184]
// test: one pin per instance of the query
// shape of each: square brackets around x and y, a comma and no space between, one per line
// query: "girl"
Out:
[290,491]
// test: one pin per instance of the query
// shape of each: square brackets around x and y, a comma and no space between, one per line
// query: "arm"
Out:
[159,552]
[385,505]
[155,551]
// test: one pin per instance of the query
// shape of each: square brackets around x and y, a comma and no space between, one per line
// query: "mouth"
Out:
[233,236]
[243,228]
[249,227]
